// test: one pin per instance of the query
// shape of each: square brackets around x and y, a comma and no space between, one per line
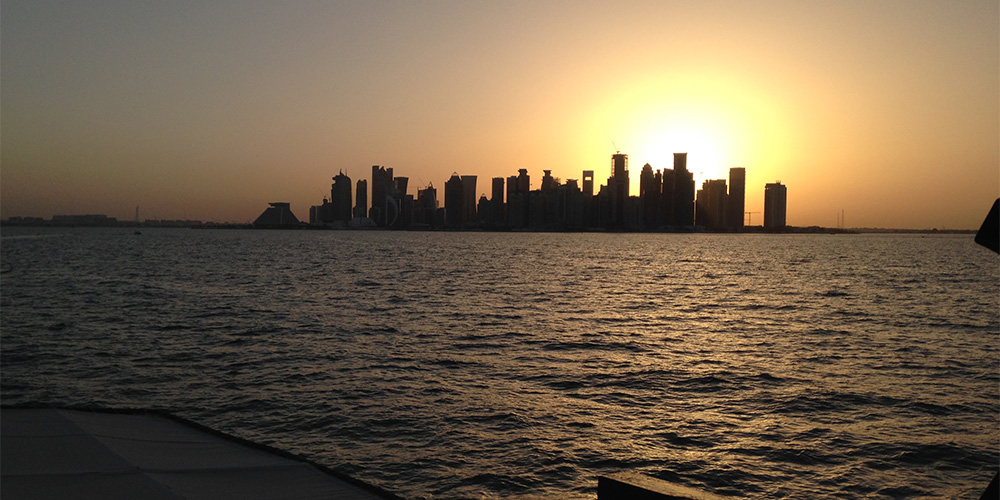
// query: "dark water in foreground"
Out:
[468,365]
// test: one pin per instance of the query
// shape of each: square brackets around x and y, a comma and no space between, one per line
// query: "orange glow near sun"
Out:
[704,145]
[718,121]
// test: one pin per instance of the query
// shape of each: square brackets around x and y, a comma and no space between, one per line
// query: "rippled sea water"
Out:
[478,365]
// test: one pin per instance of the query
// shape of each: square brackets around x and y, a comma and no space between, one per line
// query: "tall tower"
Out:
[650,188]
[401,202]
[427,203]
[619,166]
[361,199]
[523,181]
[618,190]
[775,198]
[548,182]
[646,179]
[667,197]
[588,183]
[400,184]
[683,199]
[340,198]
[453,201]
[496,216]
[382,187]
[497,190]
[469,198]
[737,198]
[710,208]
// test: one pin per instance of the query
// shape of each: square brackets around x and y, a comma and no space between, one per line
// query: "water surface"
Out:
[478,365]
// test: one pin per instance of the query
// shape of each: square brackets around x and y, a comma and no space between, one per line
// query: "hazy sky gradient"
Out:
[210,110]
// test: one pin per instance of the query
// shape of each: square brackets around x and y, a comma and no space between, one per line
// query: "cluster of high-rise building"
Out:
[667,200]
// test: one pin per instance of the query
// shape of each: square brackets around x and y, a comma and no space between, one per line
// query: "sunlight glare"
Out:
[705,148]
[711,117]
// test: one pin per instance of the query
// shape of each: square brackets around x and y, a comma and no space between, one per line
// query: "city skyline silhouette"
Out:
[667,200]
[886,113]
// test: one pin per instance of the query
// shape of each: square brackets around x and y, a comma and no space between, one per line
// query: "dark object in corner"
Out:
[993,490]
[635,486]
[989,235]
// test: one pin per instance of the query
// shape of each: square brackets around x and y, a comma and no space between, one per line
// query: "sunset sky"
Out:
[887,110]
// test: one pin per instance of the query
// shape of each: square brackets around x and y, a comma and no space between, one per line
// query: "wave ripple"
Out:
[448,366]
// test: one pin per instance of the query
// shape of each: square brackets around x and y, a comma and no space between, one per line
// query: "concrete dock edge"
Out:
[635,486]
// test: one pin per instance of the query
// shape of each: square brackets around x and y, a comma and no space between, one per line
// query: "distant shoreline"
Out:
[695,230]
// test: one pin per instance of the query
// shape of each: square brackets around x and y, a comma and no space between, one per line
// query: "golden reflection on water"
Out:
[467,365]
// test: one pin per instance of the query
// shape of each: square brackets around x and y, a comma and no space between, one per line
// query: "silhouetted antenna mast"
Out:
[616,147]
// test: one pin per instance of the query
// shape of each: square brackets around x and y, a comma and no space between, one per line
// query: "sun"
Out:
[706,148]
[653,118]
[720,120]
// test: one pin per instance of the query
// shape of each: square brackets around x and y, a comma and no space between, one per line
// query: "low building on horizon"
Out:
[278,216]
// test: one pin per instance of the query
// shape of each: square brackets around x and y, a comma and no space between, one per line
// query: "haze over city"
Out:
[887,112]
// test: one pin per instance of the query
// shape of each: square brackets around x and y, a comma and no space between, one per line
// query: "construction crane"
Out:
[750,217]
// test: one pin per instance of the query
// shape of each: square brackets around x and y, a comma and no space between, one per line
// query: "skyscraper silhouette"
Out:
[737,198]
[650,191]
[683,192]
[618,190]
[711,204]
[497,190]
[382,188]
[426,206]
[454,208]
[496,215]
[361,199]
[523,181]
[588,183]
[402,202]
[340,199]
[468,199]
[775,198]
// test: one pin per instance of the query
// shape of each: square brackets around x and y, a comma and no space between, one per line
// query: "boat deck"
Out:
[62,453]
